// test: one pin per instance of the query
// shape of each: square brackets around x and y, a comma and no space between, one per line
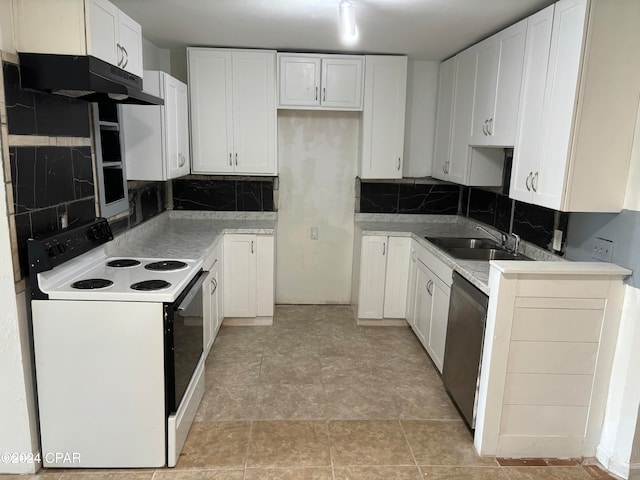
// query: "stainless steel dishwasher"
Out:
[463,347]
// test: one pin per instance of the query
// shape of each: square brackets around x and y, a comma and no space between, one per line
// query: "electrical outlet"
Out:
[64,220]
[314,233]
[602,249]
[557,240]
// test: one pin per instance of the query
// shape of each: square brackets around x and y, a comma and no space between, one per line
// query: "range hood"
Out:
[82,77]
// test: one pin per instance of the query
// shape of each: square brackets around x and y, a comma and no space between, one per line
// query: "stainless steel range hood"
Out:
[82,77]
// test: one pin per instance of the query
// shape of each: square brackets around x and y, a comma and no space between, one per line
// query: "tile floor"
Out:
[314,397]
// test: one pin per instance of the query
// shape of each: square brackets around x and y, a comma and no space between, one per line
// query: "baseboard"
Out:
[248,322]
[384,322]
[614,466]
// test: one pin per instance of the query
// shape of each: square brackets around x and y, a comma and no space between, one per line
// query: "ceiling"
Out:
[422,29]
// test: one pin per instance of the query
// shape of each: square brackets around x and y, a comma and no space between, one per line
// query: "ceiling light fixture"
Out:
[348,28]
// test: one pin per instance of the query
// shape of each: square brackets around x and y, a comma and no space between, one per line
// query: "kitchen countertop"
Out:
[186,234]
[420,226]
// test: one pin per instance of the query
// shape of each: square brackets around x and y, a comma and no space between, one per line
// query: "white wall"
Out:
[7,42]
[317,154]
[155,58]
[621,422]
[179,64]
[420,127]
[17,416]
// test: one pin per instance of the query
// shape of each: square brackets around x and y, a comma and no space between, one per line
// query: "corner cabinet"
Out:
[233,111]
[383,117]
[156,138]
[320,82]
[248,278]
[383,277]
[578,106]
[80,27]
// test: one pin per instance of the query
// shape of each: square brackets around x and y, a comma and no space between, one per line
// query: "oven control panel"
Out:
[52,250]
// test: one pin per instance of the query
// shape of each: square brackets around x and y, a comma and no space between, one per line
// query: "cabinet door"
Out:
[423,303]
[215,303]
[442,144]
[529,127]
[182,115]
[130,39]
[210,78]
[383,117]
[207,324]
[299,81]
[397,277]
[503,114]
[265,275]
[437,336]
[411,289]
[177,127]
[103,32]
[484,90]
[254,113]
[341,83]
[561,88]
[373,262]
[462,106]
[240,276]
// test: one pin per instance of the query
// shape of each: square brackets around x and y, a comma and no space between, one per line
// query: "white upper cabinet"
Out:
[156,138]
[383,117]
[233,111]
[325,82]
[497,87]
[578,106]
[444,113]
[79,27]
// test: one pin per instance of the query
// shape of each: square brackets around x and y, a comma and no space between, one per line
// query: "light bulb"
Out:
[347,14]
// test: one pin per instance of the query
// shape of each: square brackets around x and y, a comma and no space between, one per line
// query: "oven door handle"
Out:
[193,292]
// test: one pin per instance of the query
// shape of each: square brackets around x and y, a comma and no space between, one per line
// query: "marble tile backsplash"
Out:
[409,198]
[236,195]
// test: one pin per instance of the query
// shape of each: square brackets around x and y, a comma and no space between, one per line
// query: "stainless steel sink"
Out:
[484,254]
[462,242]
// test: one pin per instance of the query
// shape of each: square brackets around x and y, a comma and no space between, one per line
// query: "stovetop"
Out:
[95,276]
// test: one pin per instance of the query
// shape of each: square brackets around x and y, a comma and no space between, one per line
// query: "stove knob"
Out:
[61,248]
[94,233]
[51,251]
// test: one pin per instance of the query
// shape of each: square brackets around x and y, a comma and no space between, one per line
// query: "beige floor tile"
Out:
[360,402]
[233,370]
[311,473]
[98,475]
[436,442]
[463,473]
[426,402]
[291,402]
[49,475]
[288,444]
[349,371]
[169,474]
[546,473]
[376,473]
[290,369]
[292,343]
[228,402]
[368,443]
[215,445]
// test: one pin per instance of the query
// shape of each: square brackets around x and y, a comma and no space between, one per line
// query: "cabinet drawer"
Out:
[437,266]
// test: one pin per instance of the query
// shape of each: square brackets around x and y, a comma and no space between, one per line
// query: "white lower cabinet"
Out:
[384,275]
[248,273]
[428,302]
[212,297]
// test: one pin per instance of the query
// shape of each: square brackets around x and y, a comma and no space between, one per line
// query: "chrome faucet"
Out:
[502,238]
[516,246]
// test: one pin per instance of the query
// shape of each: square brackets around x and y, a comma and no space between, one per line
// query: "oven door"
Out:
[183,340]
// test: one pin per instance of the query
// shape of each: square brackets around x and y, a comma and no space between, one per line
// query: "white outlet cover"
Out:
[602,249]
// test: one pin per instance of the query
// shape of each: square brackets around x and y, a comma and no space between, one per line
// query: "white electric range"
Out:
[118,346]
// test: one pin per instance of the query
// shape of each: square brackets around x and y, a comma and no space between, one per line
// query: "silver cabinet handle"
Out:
[484,127]
[251,246]
[430,287]
[384,248]
[444,167]
[447,167]
[324,94]
[119,60]
[125,59]
[181,160]
[399,161]
[236,159]
[526,182]
[214,285]
[534,182]
[490,127]
[316,93]
[413,255]
[230,160]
